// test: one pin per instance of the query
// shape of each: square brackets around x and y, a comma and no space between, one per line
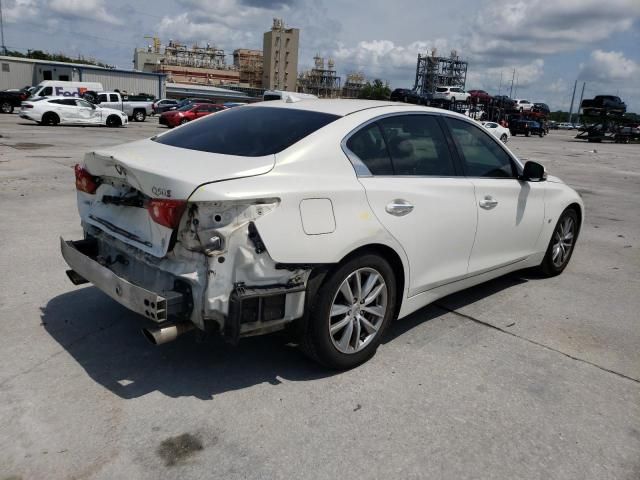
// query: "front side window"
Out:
[46,92]
[481,154]
[417,145]
[103,97]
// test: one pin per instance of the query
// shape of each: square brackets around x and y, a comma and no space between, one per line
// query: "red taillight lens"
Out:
[166,212]
[85,182]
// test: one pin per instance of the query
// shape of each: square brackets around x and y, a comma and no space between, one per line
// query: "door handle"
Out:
[488,203]
[399,207]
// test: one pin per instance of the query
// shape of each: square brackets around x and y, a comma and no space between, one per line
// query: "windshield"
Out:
[248,132]
[186,108]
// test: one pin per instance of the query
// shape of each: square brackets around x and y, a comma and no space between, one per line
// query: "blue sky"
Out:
[550,44]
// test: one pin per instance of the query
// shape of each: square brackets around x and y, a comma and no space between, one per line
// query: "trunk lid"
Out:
[145,170]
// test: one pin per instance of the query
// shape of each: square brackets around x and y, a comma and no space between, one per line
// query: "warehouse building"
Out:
[16,72]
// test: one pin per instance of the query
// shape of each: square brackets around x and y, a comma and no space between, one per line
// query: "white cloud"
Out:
[609,67]
[507,29]
[89,9]
[17,10]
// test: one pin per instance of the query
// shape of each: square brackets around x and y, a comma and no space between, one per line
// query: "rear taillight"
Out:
[26,105]
[166,212]
[85,182]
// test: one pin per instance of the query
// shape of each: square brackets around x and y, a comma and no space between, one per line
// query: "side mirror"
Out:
[533,172]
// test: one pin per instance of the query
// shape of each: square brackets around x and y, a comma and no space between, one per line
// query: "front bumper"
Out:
[80,256]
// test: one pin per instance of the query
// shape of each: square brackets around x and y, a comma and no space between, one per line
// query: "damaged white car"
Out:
[331,217]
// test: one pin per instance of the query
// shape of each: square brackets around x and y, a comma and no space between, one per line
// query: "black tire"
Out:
[51,119]
[526,134]
[139,115]
[316,339]
[548,267]
[6,107]
[183,121]
[113,121]
[504,138]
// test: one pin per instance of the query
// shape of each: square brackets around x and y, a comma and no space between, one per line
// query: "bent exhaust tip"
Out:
[166,333]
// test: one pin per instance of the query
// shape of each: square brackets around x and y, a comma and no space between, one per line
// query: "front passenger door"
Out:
[510,211]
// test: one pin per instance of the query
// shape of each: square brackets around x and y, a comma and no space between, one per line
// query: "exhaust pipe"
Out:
[166,332]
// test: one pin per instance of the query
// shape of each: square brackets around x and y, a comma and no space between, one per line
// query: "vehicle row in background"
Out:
[189,112]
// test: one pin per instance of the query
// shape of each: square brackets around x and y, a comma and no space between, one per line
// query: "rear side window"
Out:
[417,146]
[442,89]
[113,97]
[369,146]
[248,132]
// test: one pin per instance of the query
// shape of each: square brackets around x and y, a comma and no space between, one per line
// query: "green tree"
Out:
[376,90]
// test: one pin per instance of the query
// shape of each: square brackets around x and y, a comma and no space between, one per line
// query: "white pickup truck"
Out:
[138,111]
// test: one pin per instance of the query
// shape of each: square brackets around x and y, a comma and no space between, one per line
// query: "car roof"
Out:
[340,107]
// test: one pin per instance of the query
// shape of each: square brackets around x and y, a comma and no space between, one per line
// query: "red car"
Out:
[479,96]
[189,112]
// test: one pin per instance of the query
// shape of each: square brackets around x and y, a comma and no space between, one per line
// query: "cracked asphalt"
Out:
[520,378]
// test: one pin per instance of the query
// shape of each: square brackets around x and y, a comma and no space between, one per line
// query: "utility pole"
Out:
[500,87]
[515,93]
[3,47]
[575,85]
[513,75]
[581,97]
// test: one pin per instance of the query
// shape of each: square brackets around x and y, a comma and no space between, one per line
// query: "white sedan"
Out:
[328,217]
[70,111]
[498,131]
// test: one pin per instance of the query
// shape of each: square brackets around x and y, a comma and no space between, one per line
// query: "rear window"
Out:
[247,132]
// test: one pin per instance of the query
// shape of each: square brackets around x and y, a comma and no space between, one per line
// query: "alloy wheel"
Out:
[358,310]
[563,239]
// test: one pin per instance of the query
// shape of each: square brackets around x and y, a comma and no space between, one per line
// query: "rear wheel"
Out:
[113,121]
[139,115]
[6,107]
[504,138]
[50,119]
[183,121]
[561,244]
[350,312]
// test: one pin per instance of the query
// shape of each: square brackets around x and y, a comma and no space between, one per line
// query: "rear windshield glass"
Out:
[247,131]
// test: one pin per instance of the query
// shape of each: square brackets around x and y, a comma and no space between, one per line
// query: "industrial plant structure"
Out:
[433,71]
[353,85]
[320,81]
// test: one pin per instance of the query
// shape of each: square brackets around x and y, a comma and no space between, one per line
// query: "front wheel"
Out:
[504,138]
[561,244]
[350,312]
[113,121]
[183,121]
[6,107]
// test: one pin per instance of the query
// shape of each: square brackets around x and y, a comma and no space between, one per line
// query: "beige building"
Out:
[280,48]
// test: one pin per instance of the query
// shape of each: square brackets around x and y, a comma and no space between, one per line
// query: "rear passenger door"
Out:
[418,194]
[510,211]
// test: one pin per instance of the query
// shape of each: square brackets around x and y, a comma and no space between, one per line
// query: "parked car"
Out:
[9,100]
[182,103]
[602,104]
[187,113]
[565,126]
[522,105]
[138,111]
[70,111]
[526,127]
[480,96]
[503,101]
[405,95]
[327,217]
[451,94]
[498,131]
[541,108]
[163,102]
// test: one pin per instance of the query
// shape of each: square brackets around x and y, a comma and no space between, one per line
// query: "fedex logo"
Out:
[70,92]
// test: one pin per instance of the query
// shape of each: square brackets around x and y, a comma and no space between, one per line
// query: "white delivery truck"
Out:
[56,88]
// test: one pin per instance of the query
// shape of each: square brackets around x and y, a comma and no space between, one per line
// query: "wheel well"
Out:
[390,255]
[116,117]
[575,207]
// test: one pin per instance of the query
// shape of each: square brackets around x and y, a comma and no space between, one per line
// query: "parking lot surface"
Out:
[519,378]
